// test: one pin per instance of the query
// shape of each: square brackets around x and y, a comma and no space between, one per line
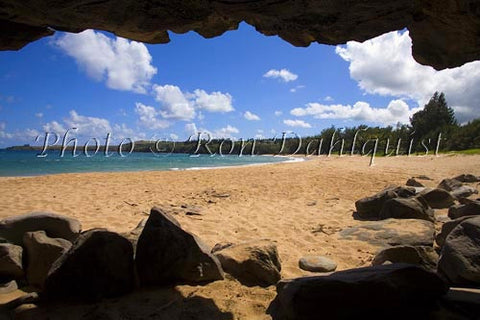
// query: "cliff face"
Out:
[445,33]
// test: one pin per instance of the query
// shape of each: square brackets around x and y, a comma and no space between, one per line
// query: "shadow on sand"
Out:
[155,303]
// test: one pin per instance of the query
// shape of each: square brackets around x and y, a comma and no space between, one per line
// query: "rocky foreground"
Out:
[412,277]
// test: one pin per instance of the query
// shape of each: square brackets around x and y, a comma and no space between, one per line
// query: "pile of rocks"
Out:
[458,243]
[49,252]
[411,276]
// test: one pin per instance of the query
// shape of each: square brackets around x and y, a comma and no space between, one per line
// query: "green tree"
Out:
[435,117]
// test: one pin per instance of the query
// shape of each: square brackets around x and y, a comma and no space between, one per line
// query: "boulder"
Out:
[450,184]
[10,261]
[464,192]
[167,254]
[460,256]
[437,198]
[465,177]
[252,263]
[370,207]
[392,232]
[447,227]
[461,210]
[98,265]
[411,208]
[421,256]
[56,226]
[41,252]
[317,264]
[412,182]
[377,292]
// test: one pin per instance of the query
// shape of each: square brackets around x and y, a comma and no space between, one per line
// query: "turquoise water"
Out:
[26,163]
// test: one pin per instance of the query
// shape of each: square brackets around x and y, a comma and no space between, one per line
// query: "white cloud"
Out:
[148,117]
[25,136]
[173,102]
[328,99]
[121,131]
[251,116]
[123,64]
[178,105]
[226,132]
[173,136]
[297,123]
[191,129]
[90,127]
[39,115]
[213,102]
[396,111]
[284,75]
[3,133]
[55,127]
[278,113]
[385,66]
[293,90]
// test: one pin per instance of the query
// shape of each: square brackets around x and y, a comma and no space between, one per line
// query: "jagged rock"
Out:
[447,227]
[460,256]
[221,245]
[98,265]
[461,210]
[370,207]
[412,182]
[437,198]
[55,225]
[168,254]
[412,208]
[8,287]
[467,178]
[252,263]
[41,252]
[464,192]
[134,234]
[450,184]
[10,261]
[433,25]
[317,264]
[376,292]
[393,232]
[422,256]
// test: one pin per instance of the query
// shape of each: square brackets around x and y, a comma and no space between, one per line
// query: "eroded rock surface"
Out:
[167,254]
[444,32]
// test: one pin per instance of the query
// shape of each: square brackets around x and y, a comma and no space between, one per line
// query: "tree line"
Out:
[434,128]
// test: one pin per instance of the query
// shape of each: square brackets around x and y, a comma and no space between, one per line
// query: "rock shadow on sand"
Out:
[159,303]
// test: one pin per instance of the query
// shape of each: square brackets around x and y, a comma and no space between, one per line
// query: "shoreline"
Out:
[288,159]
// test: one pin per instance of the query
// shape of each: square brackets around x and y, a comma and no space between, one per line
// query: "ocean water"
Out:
[26,163]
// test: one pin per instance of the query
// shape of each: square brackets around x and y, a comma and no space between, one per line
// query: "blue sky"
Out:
[239,85]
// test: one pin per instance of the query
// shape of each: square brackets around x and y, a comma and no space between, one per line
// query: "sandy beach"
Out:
[302,206]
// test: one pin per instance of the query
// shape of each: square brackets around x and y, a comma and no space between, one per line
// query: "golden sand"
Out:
[301,206]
